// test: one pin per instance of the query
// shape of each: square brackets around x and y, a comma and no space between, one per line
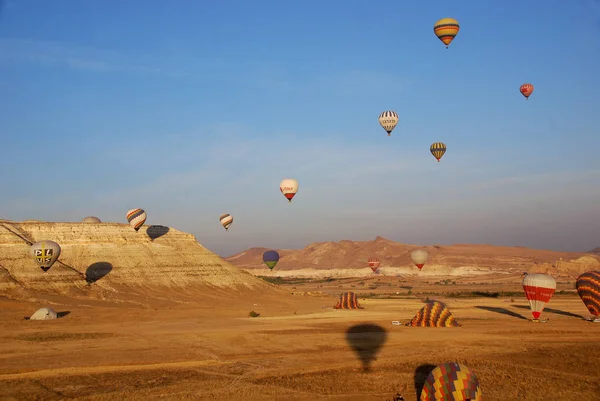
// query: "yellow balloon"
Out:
[446,30]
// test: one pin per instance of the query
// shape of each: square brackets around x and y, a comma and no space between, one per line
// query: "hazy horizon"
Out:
[196,110]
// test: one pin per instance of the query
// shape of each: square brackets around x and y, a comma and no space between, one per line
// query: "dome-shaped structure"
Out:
[91,219]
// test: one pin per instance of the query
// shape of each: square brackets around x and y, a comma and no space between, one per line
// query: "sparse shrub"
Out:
[253,314]
[409,292]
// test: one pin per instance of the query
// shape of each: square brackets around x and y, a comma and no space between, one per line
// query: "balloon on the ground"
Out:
[136,218]
[91,219]
[539,288]
[388,120]
[45,253]
[438,149]
[270,258]
[419,257]
[446,30]
[289,188]
[226,220]
[526,90]
[451,382]
[588,288]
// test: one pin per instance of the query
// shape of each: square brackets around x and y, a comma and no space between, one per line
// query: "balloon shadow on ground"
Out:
[155,232]
[502,311]
[555,311]
[96,271]
[366,340]
[62,314]
[420,377]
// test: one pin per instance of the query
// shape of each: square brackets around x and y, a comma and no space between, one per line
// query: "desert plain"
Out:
[186,335]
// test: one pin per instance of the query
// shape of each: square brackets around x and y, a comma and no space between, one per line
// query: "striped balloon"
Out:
[438,149]
[374,264]
[226,220]
[136,218]
[433,314]
[539,288]
[446,30]
[388,120]
[526,90]
[451,382]
[588,288]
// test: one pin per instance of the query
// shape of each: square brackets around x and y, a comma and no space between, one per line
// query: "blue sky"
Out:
[191,109]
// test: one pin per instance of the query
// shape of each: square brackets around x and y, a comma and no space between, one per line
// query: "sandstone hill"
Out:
[111,261]
[330,258]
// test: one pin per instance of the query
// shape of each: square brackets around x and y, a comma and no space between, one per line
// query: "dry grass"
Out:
[215,352]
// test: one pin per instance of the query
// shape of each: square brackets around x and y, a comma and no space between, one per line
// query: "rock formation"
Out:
[113,257]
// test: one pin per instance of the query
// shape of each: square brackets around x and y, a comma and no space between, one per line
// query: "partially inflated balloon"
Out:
[419,257]
[226,220]
[270,258]
[437,149]
[588,288]
[526,90]
[288,188]
[45,253]
[374,264]
[451,382]
[446,30]
[388,120]
[136,218]
[539,288]
[91,219]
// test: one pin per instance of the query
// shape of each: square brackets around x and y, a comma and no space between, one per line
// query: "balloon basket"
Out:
[593,320]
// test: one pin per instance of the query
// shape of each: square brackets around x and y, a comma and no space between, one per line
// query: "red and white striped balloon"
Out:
[539,288]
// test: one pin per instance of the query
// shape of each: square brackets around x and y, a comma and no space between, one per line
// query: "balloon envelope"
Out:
[288,188]
[419,257]
[526,90]
[374,263]
[539,288]
[270,258]
[446,30]
[45,253]
[388,120]
[588,288]
[226,220]
[136,218]
[438,149]
[91,219]
[451,382]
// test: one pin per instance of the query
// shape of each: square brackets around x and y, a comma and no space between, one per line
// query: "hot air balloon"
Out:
[91,219]
[388,120]
[136,218]
[374,264]
[288,188]
[437,149]
[539,288]
[45,253]
[226,220]
[446,30]
[451,382]
[419,257]
[270,258]
[588,288]
[526,90]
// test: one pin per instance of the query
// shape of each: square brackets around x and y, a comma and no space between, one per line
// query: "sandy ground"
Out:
[297,349]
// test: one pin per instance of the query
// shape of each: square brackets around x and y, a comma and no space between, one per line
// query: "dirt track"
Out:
[295,351]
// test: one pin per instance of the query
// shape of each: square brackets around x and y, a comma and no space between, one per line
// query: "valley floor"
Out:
[296,350]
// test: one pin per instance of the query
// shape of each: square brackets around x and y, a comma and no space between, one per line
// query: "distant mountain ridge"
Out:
[348,254]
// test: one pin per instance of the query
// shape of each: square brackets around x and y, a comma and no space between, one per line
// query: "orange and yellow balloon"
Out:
[526,90]
[446,30]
